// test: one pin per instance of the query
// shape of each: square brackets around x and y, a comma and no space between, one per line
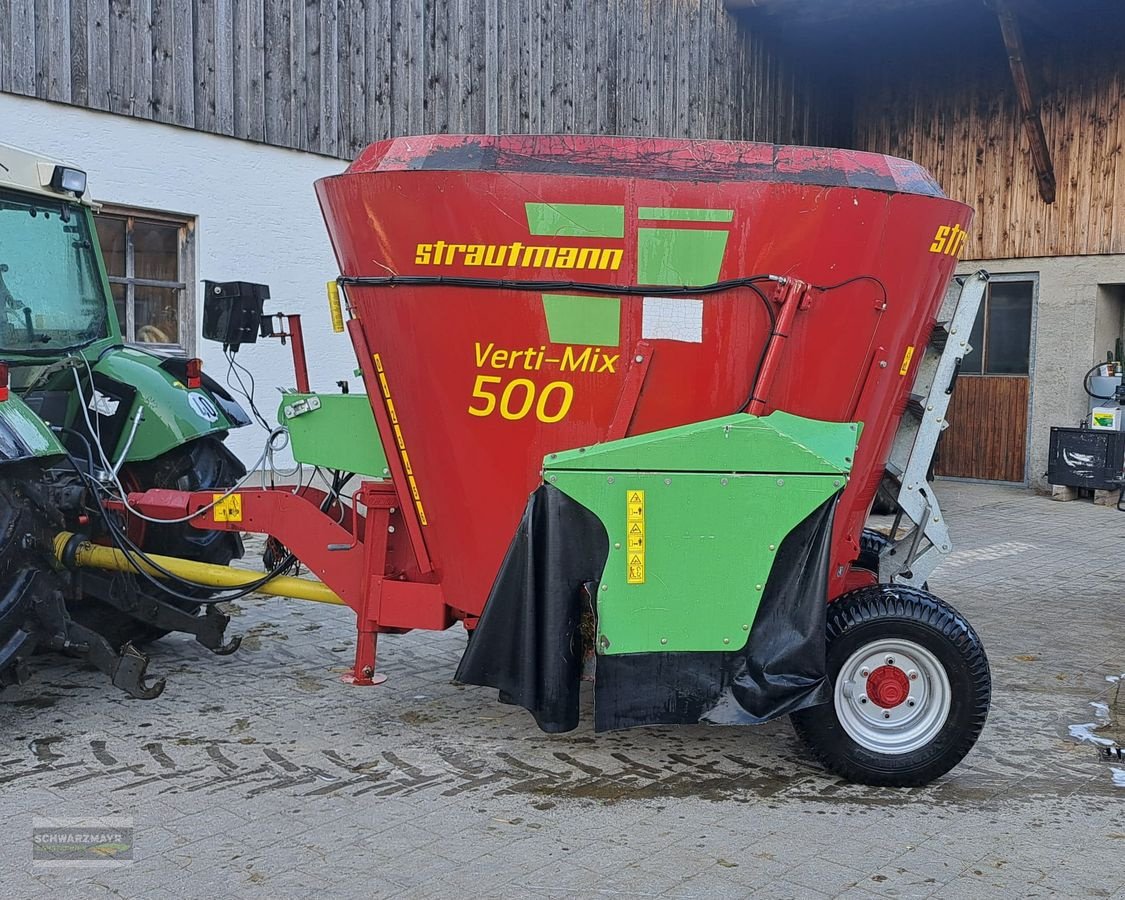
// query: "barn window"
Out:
[150,262]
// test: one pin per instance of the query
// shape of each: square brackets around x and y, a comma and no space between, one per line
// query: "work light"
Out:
[67,179]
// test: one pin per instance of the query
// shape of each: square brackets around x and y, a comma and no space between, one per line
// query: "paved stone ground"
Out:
[259,775]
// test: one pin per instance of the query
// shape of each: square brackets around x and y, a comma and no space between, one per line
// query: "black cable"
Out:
[233,367]
[847,281]
[128,547]
[650,290]
[1086,384]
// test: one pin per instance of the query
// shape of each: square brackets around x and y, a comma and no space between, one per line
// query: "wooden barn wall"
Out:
[963,124]
[330,76]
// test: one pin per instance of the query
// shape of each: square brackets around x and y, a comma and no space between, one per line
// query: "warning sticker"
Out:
[227,509]
[635,537]
[909,355]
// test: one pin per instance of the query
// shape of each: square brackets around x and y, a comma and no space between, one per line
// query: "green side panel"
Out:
[683,214]
[679,256]
[581,319]
[339,434]
[23,433]
[575,220]
[777,443]
[173,415]
[702,551]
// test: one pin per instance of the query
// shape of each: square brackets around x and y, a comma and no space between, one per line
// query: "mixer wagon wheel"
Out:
[911,688]
[871,544]
[200,465]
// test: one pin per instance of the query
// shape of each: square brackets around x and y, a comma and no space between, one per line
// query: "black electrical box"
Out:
[1087,458]
[232,311]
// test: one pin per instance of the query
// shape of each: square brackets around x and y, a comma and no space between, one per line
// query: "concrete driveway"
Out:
[260,775]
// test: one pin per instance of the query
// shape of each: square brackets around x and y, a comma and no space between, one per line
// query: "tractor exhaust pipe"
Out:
[73,551]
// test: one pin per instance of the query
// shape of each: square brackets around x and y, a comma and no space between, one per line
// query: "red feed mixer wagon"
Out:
[634,399]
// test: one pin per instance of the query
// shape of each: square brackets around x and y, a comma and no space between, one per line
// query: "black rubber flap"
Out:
[780,669]
[528,643]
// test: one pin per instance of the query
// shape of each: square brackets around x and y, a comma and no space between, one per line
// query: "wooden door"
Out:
[987,434]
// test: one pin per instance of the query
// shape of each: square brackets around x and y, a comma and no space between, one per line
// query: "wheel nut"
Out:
[890,660]
[909,702]
[863,673]
[862,699]
[912,675]
[886,715]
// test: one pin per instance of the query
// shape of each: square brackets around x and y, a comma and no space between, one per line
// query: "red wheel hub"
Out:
[888,686]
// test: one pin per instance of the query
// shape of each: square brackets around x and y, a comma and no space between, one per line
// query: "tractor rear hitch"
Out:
[126,667]
[122,591]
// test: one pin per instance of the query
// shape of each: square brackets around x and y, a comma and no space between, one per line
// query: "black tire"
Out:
[889,612]
[200,465]
[871,544]
[24,577]
[886,498]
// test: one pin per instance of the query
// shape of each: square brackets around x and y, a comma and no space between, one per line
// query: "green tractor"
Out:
[84,419]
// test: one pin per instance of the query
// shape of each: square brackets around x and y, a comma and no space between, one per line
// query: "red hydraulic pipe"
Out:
[791,298]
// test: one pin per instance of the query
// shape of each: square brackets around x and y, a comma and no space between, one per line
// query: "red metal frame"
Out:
[352,557]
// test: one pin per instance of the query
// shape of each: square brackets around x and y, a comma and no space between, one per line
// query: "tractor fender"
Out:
[23,435]
[126,379]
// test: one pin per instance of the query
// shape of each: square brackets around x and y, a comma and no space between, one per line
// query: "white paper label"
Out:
[673,319]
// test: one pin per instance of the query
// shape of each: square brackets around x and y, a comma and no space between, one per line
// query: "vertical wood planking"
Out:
[98,53]
[307,72]
[163,46]
[5,44]
[332,75]
[277,78]
[183,65]
[224,66]
[329,83]
[973,142]
[122,30]
[59,61]
[299,100]
[140,95]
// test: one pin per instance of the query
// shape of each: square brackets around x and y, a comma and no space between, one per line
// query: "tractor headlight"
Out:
[67,179]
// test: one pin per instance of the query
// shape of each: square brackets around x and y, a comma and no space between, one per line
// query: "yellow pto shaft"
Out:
[93,556]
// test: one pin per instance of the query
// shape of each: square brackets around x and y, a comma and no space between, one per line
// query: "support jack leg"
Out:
[363,673]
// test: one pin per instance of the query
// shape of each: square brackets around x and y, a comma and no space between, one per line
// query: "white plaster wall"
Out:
[1063,342]
[257,220]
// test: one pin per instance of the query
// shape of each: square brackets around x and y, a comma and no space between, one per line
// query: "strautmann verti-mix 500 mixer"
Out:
[628,404]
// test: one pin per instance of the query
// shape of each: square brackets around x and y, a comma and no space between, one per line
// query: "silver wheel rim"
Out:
[868,684]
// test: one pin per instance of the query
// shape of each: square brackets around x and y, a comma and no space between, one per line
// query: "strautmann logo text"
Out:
[675,245]
[555,220]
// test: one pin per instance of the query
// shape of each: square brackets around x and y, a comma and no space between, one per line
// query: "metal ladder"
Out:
[911,559]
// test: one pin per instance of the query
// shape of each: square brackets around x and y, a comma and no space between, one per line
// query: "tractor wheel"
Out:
[911,688]
[22,579]
[200,465]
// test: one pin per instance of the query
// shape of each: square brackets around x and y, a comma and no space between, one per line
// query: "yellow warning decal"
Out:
[403,455]
[635,537]
[905,367]
[227,509]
